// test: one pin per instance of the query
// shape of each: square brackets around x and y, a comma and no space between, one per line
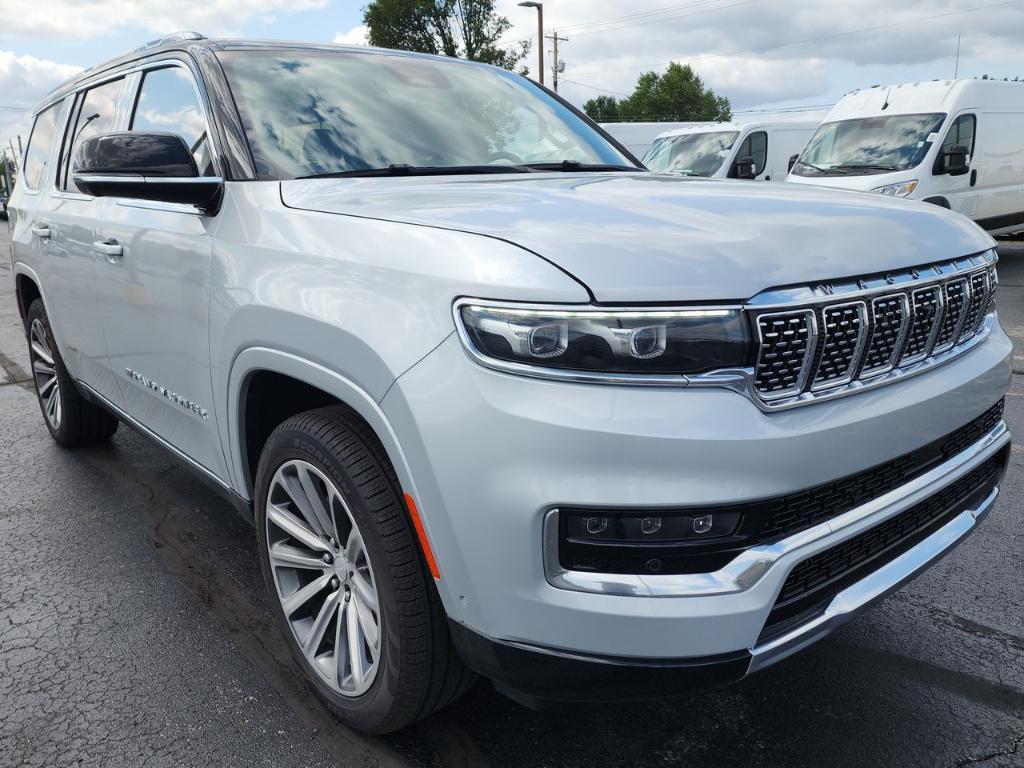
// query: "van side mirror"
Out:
[954,162]
[743,168]
[792,161]
[145,166]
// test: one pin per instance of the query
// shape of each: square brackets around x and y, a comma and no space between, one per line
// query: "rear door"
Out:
[155,289]
[69,260]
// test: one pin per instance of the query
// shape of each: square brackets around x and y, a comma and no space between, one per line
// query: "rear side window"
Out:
[961,133]
[168,102]
[95,115]
[40,143]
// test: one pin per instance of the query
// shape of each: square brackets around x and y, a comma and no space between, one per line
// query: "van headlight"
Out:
[607,344]
[900,189]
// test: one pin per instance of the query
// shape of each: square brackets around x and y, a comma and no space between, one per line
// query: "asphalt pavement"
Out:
[134,631]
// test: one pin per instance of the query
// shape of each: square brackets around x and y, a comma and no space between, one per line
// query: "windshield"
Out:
[319,112]
[869,145]
[692,154]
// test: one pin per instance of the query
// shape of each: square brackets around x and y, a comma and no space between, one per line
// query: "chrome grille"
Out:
[955,296]
[843,333]
[976,305]
[895,326]
[888,331]
[786,344]
[927,304]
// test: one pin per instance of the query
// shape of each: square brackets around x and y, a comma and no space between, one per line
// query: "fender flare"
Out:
[23,269]
[938,200]
[252,360]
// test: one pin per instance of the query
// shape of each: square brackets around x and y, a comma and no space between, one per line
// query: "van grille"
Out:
[817,348]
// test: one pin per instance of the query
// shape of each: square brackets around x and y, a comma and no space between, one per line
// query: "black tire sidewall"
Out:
[370,710]
[38,312]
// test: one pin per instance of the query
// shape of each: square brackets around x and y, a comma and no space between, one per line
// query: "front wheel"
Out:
[345,577]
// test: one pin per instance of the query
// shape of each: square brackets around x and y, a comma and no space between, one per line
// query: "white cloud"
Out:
[24,80]
[356,36]
[84,19]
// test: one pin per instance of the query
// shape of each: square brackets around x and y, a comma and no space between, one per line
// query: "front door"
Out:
[155,291]
[961,191]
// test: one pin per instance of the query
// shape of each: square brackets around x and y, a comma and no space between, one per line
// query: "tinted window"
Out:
[961,133]
[95,116]
[168,102]
[319,112]
[39,145]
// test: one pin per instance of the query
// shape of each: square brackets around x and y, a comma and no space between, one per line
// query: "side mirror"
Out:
[145,166]
[954,162]
[743,168]
[792,161]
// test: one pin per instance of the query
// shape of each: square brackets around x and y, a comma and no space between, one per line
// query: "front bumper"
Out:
[491,454]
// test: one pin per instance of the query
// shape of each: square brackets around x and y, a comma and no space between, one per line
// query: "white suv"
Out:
[498,399]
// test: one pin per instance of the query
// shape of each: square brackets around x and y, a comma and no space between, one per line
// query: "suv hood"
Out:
[641,237]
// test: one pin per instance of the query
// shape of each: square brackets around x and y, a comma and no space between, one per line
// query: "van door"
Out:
[155,292]
[70,262]
[960,191]
[998,172]
[754,146]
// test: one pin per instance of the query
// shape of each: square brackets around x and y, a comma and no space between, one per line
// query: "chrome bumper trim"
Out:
[887,579]
[752,565]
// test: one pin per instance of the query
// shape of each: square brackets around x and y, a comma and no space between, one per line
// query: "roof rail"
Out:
[172,38]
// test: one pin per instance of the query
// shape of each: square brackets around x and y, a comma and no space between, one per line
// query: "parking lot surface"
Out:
[134,632]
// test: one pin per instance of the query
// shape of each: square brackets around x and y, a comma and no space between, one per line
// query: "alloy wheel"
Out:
[45,374]
[323,576]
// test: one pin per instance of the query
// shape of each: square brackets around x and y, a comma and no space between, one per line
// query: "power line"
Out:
[814,39]
[15,108]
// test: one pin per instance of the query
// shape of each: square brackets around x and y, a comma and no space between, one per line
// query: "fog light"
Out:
[596,525]
[703,524]
[650,525]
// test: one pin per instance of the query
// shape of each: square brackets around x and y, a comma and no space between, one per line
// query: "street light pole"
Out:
[540,36]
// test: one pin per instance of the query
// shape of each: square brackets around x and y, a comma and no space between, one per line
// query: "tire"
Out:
[71,419]
[413,669]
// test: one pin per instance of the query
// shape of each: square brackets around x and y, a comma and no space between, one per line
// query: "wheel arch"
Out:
[303,385]
[27,288]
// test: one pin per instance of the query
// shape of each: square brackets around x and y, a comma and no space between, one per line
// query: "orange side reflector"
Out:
[422,536]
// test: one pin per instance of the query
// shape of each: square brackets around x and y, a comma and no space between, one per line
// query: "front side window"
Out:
[95,115]
[691,154]
[168,102]
[867,145]
[40,142]
[317,112]
[755,146]
[960,134]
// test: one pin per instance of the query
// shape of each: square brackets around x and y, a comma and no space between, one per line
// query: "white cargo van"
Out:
[637,137]
[746,148]
[955,143]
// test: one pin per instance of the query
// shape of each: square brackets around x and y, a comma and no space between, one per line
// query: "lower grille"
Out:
[812,584]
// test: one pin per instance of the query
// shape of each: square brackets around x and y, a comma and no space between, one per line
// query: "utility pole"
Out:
[21,152]
[17,160]
[956,66]
[556,63]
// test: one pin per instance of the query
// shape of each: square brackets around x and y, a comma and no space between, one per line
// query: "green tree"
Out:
[603,109]
[467,29]
[677,95]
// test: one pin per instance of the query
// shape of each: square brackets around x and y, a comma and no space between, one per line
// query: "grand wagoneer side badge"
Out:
[174,397]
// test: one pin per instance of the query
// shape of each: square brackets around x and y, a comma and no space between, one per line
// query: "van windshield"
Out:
[690,154]
[337,112]
[867,145]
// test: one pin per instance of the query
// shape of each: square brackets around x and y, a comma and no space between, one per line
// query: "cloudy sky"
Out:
[759,53]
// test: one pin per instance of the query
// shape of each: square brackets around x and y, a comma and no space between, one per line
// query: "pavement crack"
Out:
[1013,750]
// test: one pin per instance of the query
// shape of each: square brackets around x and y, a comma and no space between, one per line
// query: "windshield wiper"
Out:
[838,168]
[400,169]
[576,165]
[868,167]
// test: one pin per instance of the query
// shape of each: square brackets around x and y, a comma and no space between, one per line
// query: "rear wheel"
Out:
[71,419]
[345,576]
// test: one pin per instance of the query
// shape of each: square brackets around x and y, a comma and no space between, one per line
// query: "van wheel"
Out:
[71,419]
[345,576]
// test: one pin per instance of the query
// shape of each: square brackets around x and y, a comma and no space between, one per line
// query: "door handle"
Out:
[109,248]
[40,230]
[974,176]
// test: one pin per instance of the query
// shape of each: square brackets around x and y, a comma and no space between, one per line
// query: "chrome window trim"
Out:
[901,338]
[753,564]
[858,352]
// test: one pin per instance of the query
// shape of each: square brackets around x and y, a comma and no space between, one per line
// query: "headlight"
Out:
[593,343]
[900,189]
